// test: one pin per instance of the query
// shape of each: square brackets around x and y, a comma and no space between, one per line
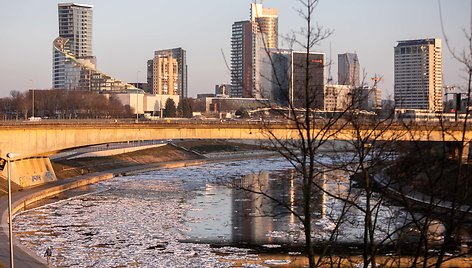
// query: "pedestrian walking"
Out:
[48,254]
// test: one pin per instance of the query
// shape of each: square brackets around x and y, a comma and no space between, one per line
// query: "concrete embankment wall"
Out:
[30,172]
[117,151]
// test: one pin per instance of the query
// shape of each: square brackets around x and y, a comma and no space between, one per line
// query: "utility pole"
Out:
[137,100]
[32,93]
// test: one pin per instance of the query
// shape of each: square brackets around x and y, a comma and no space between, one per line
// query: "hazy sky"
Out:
[126,33]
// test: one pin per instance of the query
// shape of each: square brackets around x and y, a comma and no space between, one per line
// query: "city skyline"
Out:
[126,32]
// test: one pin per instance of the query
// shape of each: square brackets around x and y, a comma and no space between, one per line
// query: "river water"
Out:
[175,217]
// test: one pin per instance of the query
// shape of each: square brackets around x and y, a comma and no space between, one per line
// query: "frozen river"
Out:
[174,217]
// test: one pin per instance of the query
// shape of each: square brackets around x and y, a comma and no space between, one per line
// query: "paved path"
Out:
[22,255]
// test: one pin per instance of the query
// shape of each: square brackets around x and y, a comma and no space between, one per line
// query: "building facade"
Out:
[167,72]
[287,78]
[266,24]
[75,29]
[308,80]
[222,90]
[348,69]
[265,36]
[165,75]
[337,97]
[241,60]
[418,75]
[250,41]
[74,66]
[340,98]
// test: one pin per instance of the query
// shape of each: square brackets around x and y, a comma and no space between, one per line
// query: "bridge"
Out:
[35,141]
[44,138]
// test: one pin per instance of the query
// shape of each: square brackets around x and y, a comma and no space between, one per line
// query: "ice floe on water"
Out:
[142,221]
[114,228]
[133,221]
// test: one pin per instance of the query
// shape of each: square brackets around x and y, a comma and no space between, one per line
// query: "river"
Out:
[177,217]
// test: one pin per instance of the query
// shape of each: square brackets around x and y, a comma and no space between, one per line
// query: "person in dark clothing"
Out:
[48,254]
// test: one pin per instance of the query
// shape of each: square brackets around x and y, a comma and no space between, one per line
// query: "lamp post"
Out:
[10,229]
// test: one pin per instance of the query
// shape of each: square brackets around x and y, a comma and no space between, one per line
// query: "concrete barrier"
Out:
[33,171]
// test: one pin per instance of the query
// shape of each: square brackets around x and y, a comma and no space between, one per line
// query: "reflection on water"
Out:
[258,219]
[257,211]
[229,215]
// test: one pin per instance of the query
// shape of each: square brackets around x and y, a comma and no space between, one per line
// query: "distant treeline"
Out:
[62,104]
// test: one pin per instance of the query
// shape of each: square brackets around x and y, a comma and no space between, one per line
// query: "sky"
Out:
[126,34]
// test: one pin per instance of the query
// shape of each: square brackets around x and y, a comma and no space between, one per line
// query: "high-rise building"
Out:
[75,29]
[284,78]
[266,23]
[241,60]
[74,66]
[167,72]
[308,91]
[418,75]
[249,42]
[165,75]
[348,69]
[266,36]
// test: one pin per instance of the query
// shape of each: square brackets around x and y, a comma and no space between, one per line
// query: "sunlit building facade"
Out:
[250,41]
[241,60]
[167,72]
[265,24]
[74,66]
[75,32]
[418,75]
[165,75]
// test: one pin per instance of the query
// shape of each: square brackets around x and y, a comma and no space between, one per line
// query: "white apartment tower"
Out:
[418,75]
[75,26]
[265,23]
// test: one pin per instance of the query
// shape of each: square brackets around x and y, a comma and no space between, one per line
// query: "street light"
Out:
[10,229]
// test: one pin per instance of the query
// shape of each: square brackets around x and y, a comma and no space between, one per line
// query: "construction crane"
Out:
[376,79]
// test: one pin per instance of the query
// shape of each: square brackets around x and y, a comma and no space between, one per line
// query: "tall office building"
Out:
[249,42]
[74,66]
[348,69]
[418,75]
[167,72]
[285,78]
